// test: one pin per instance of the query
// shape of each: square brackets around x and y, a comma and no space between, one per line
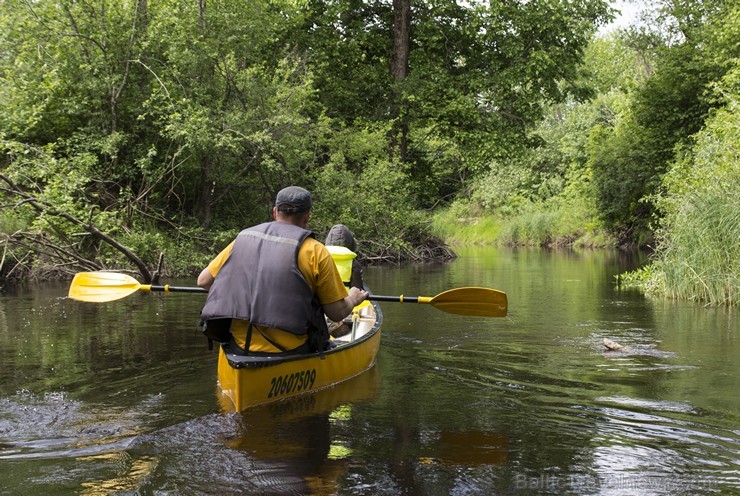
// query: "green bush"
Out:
[554,223]
[698,249]
[375,203]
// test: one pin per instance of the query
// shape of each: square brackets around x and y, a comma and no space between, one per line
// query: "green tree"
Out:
[477,74]
[697,253]
[629,159]
[138,117]
[563,152]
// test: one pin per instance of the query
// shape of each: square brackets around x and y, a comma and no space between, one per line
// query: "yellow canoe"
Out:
[247,381]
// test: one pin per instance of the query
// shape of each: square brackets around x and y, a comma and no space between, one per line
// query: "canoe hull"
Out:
[246,383]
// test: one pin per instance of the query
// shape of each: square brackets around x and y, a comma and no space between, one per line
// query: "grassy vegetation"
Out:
[698,259]
[457,229]
[698,252]
[538,225]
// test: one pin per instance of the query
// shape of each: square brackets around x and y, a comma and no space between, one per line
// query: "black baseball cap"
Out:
[293,199]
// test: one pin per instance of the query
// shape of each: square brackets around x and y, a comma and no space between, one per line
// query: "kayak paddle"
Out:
[99,287]
[477,302]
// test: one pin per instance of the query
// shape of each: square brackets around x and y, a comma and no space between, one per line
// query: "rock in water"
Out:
[612,345]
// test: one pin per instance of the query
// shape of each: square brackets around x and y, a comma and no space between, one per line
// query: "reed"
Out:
[698,258]
[570,223]
[456,227]
[535,228]
[698,251]
[539,225]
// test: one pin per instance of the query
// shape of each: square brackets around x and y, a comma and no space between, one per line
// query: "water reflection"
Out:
[293,442]
[131,474]
[466,448]
[120,397]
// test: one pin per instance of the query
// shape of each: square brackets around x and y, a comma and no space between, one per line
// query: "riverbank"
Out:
[161,254]
[551,229]
[704,270]
[696,274]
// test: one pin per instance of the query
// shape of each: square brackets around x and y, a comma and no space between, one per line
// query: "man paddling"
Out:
[273,284]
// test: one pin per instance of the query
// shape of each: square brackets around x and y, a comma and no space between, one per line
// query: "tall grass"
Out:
[538,225]
[458,227]
[698,252]
[698,257]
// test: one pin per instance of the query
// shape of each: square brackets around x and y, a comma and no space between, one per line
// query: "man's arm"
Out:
[340,309]
[207,276]
[329,285]
[205,279]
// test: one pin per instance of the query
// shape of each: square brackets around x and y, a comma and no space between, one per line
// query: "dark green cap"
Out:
[293,199]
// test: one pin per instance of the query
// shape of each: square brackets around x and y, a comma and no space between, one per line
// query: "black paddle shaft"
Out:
[178,289]
[402,299]
[193,289]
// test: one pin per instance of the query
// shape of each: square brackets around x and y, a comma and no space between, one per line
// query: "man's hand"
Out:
[356,296]
[340,309]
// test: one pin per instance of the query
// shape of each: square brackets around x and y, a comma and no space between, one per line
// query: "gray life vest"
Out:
[261,282]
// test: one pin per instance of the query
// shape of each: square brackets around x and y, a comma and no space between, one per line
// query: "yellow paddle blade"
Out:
[479,302]
[98,287]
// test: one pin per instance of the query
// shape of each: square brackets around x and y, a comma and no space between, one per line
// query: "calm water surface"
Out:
[121,398]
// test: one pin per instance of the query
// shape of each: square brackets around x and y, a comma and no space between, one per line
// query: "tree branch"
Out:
[43,207]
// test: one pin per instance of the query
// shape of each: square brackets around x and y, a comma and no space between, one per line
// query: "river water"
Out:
[121,397]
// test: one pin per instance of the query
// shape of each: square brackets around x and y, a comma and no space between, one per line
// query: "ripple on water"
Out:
[53,425]
[658,405]
[660,447]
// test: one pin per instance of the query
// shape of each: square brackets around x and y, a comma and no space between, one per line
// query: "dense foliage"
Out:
[134,132]
[698,250]
[166,126]
[650,159]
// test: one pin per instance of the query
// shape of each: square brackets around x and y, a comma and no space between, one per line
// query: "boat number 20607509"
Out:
[290,383]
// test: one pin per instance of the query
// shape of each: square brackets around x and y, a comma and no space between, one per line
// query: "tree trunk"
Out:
[399,68]
[202,14]
[401,39]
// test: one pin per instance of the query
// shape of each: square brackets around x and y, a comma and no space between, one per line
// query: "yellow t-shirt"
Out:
[319,270]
